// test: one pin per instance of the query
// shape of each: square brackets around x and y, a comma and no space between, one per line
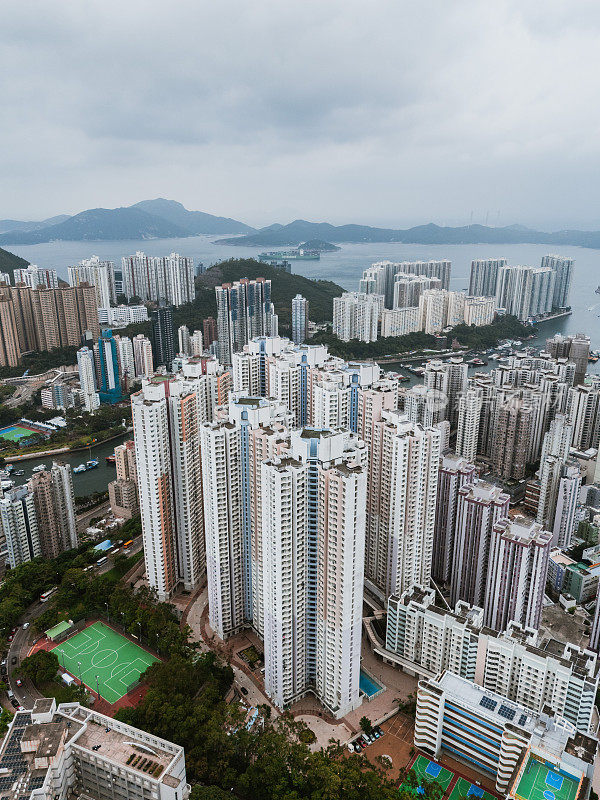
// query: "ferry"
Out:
[92,463]
[79,468]
[39,468]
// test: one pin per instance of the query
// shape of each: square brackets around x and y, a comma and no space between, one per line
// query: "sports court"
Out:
[542,782]
[15,432]
[103,660]
[427,770]
[462,788]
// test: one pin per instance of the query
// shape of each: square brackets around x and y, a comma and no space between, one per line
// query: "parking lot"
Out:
[396,743]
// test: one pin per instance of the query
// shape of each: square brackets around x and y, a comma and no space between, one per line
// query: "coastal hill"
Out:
[284,287]
[149,219]
[193,221]
[10,262]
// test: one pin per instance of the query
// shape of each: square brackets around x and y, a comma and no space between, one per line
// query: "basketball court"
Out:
[427,771]
[104,661]
[541,781]
[463,788]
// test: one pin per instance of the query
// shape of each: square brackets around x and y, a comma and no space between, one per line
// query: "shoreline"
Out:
[62,450]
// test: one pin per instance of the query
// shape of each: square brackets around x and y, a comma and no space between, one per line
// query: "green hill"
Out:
[9,261]
[284,287]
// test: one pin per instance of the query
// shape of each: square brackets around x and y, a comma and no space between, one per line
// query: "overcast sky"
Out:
[390,113]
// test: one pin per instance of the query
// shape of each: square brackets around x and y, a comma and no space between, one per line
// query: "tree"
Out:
[41,667]
[365,725]
[208,793]
[5,718]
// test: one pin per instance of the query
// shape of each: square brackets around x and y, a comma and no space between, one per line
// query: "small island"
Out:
[320,245]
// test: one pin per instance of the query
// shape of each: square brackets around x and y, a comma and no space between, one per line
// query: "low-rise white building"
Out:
[53,753]
[120,316]
[516,664]
[498,737]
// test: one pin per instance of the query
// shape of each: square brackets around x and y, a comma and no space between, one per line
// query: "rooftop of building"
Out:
[122,744]
[559,557]
[522,529]
[542,730]
[18,775]
[30,742]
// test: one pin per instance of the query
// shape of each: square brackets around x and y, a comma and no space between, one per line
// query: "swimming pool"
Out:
[369,685]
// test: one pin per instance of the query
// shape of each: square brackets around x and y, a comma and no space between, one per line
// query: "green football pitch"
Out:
[539,782]
[103,660]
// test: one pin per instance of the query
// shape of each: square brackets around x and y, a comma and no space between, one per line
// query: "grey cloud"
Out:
[390,112]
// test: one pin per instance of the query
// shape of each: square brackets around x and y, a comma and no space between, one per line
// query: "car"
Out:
[14,703]
[375,734]
[25,626]
[351,747]
[243,690]
[13,660]
[368,738]
[357,747]
[21,708]
[361,742]
[10,638]
[19,682]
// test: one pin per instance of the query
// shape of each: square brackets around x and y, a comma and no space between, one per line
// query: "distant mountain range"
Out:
[165,219]
[301,230]
[150,219]
[17,225]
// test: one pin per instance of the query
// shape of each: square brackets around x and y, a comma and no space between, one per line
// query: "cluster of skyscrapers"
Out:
[38,518]
[525,292]
[294,480]
[38,313]
[397,298]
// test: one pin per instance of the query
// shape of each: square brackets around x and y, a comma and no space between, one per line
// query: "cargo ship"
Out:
[290,255]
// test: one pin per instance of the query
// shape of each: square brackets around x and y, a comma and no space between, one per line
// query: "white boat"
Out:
[39,468]
[6,484]
[79,468]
